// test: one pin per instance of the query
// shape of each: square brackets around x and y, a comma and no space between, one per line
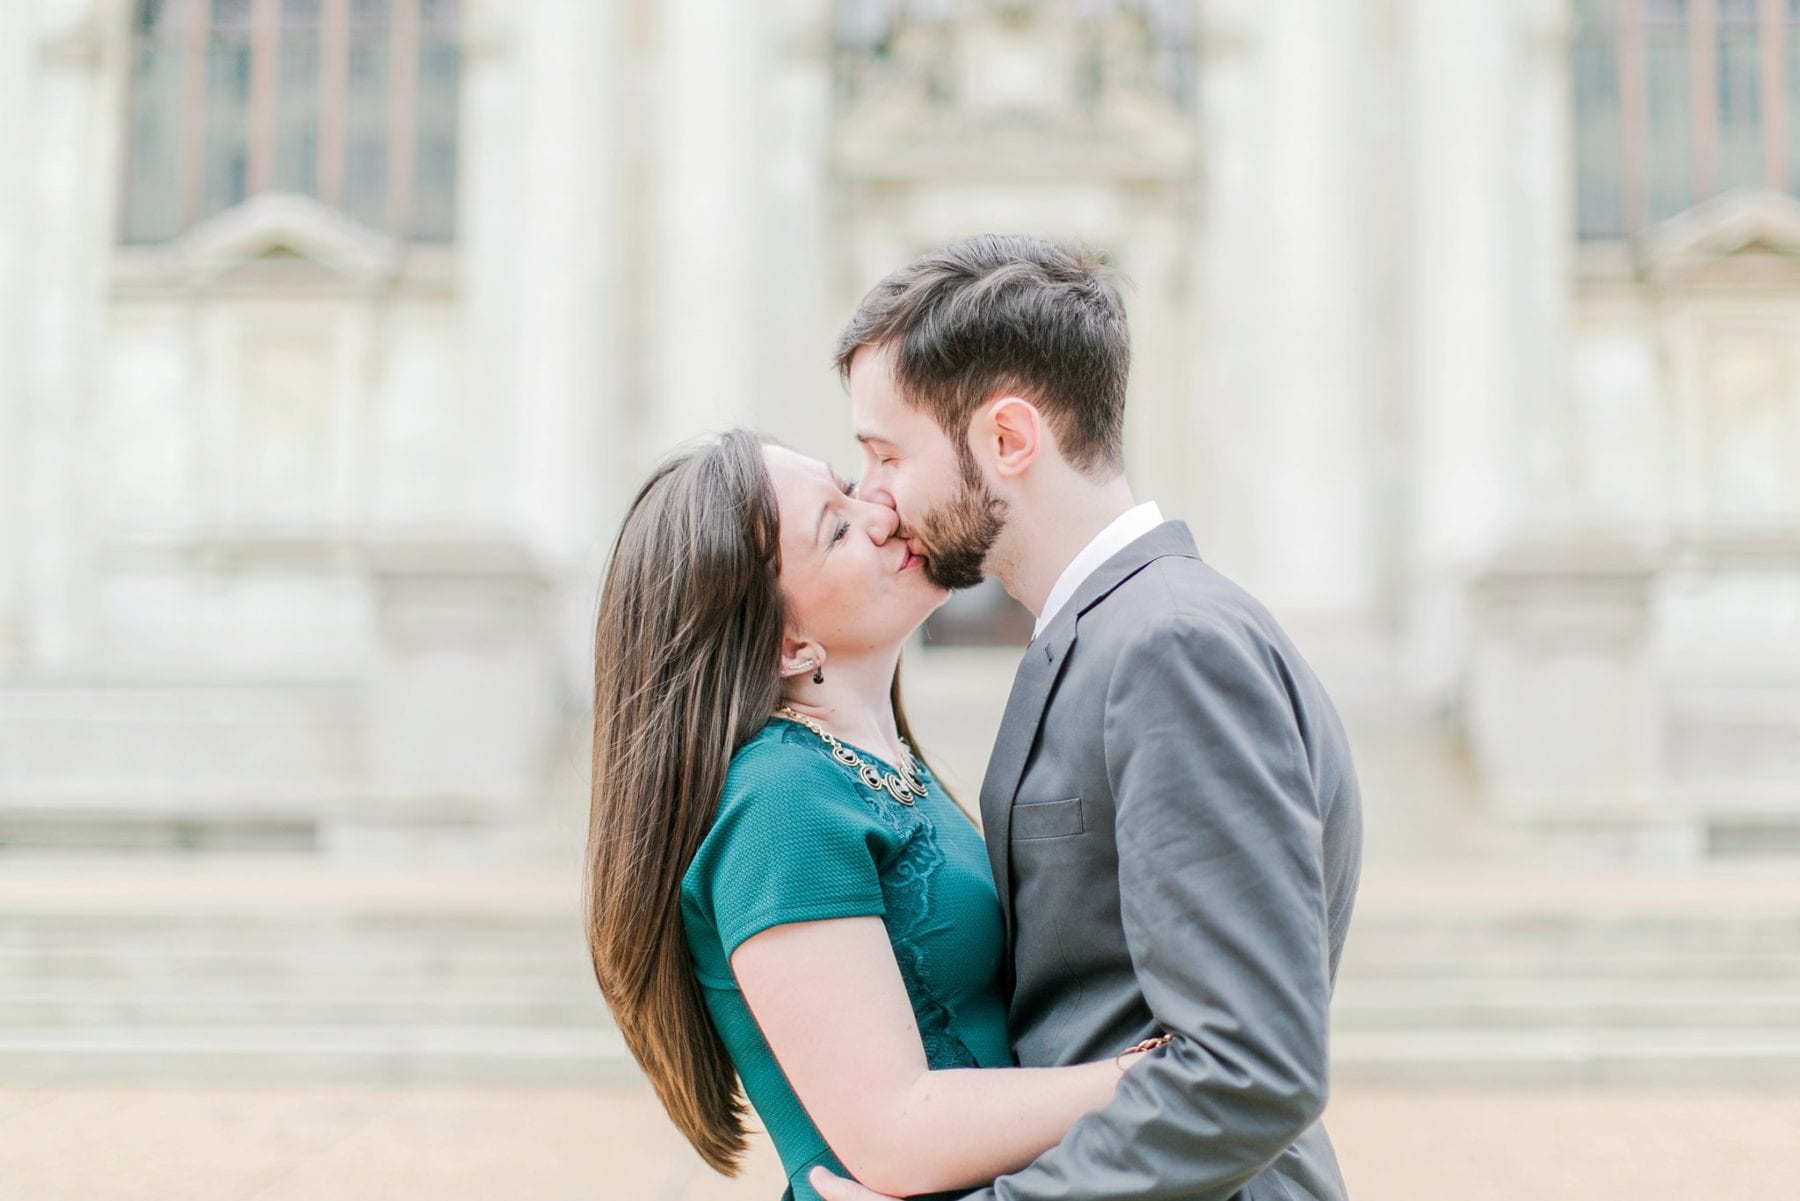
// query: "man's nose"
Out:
[883,519]
[873,488]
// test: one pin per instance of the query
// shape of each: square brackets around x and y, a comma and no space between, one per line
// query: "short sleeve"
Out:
[793,841]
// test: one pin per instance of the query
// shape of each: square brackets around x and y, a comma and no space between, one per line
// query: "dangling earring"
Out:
[819,674]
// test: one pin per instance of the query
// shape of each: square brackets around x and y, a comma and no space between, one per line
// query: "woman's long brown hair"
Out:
[686,654]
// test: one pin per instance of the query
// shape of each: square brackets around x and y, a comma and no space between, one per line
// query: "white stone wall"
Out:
[282,486]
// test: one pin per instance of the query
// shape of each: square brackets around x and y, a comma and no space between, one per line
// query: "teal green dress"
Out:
[798,837]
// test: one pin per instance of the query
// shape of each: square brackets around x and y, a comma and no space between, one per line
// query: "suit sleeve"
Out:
[1223,901]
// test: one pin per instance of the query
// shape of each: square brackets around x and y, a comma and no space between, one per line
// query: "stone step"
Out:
[299,977]
[1446,1005]
[313,1052]
[46,1010]
[247,931]
[1721,1012]
[1537,1057]
[1499,969]
[279,964]
[481,974]
[274,959]
[1370,948]
[1735,1058]
[1715,935]
[1392,927]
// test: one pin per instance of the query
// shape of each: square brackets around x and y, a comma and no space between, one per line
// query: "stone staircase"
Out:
[344,981]
[288,971]
[1679,977]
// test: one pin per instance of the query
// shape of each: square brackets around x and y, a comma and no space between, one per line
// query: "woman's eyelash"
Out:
[843,528]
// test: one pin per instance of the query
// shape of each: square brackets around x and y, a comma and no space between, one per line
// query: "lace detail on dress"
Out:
[906,889]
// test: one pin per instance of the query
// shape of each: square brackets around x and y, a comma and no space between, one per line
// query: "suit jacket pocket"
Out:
[1047,819]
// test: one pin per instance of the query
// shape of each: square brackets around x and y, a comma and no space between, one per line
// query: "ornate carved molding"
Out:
[1000,89]
[283,240]
[1728,237]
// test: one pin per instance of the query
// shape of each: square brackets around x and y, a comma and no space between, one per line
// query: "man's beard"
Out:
[957,535]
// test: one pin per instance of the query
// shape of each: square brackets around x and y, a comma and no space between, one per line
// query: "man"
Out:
[1170,810]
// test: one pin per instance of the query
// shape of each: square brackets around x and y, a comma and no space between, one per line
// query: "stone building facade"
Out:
[335,333]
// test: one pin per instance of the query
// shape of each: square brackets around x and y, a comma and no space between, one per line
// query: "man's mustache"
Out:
[915,544]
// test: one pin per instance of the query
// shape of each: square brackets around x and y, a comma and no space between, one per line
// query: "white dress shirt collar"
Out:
[1125,529]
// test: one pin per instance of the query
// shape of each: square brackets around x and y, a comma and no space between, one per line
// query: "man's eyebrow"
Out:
[866,436]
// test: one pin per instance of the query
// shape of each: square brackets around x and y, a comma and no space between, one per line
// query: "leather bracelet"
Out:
[1149,1044]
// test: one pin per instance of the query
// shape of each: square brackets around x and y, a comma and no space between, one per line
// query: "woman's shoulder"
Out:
[779,757]
[789,829]
[783,777]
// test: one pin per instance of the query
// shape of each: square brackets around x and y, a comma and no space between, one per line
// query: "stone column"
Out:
[1462,326]
[67,200]
[1285,430]
[711,290]
[544,304]
[1312,507]
[17,67]
[802,402]
[571,465]
[1159,422]
[1543,163]
[1227,347]
[491,285]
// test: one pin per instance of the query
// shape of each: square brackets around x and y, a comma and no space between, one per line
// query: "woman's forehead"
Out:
[791,468]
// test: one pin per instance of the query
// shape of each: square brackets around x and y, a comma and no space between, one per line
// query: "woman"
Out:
[778,888]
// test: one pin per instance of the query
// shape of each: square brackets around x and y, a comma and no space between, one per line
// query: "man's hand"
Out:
[836,1188]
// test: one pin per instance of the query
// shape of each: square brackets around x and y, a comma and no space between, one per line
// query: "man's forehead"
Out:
[871,373]
[877,410]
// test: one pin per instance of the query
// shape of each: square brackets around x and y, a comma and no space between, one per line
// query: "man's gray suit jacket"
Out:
[1176,835]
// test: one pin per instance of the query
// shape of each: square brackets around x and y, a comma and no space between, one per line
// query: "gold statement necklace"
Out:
[904,786]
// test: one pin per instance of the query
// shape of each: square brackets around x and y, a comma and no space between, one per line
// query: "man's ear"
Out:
[1015,431]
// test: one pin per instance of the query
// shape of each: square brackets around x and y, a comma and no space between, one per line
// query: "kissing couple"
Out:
[1119,986]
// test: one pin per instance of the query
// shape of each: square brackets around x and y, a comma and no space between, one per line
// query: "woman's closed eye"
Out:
[848,488]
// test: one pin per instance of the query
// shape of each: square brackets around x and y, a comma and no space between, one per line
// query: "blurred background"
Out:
[335,335]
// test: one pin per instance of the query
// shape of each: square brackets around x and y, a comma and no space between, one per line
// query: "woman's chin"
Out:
[931,599]
[934,593]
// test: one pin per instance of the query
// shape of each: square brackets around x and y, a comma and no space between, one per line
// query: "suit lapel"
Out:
[1031,690]
[1032,687]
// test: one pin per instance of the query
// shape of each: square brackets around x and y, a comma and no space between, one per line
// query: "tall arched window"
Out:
[1678,101]
[352,102]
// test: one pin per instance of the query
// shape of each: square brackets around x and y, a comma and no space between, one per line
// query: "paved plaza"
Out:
[95,1142]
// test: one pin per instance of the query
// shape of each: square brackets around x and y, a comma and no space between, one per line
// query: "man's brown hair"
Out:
[998,314]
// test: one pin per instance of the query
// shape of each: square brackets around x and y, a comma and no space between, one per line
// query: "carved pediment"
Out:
[1731,237]
[1001,89]
[287,233]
